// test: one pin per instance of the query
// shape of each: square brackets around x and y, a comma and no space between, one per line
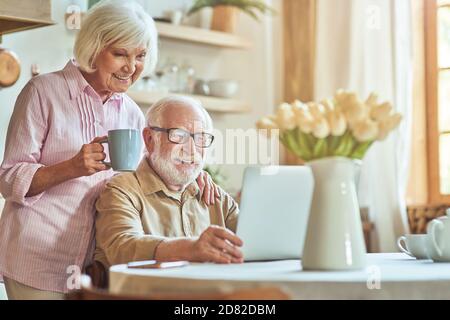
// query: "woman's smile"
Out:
[122,78]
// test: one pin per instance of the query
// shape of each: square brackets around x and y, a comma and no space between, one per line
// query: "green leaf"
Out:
[333,143]
[304,145]
[283,139]
[200,4]
[346,145]
[350,146]
[250,7]
[320,149]
[360,150]
[292,143]
[216,175]
[91,3]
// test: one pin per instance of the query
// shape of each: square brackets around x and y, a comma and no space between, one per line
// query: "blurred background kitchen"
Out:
[306,50]
[249,81]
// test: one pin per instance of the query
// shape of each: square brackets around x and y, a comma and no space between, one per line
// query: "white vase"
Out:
[200,19]
[206,17]
[334,239]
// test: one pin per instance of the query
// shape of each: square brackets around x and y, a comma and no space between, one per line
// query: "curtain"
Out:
[299,34]
[418,178]
[365,46]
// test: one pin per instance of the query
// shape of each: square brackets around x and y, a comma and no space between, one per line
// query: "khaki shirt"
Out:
[136,212]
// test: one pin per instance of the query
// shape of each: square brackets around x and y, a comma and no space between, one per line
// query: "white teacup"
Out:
[223,88]
[414,245]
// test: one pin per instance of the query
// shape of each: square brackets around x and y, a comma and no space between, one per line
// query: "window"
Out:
[438,98]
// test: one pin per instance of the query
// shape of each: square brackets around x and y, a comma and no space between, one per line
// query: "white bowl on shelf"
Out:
[223,88]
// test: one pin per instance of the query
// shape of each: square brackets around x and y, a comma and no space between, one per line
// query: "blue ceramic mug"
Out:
[125,149]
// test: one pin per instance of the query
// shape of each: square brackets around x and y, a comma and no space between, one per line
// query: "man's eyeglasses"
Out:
[181,136]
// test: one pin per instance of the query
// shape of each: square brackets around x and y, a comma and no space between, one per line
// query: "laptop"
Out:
[274,211]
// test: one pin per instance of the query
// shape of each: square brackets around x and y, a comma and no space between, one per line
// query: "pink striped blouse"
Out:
[41,237]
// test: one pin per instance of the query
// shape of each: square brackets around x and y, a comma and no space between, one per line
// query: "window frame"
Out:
[432,99]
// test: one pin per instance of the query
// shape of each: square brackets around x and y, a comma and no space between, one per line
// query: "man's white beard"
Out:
[167,170]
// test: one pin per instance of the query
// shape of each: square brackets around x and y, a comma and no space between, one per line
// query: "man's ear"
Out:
[147,137]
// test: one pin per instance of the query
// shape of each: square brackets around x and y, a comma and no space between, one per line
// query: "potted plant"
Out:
[217,175]
[332,137]
[225,12]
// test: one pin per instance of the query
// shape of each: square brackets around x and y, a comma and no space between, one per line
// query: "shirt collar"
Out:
[78,84]
[151,183]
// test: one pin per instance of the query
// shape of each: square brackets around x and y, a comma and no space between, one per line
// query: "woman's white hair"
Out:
[154,114]
[122,23]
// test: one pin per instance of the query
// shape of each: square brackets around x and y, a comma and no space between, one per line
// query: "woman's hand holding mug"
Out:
[85,163]
[89,160]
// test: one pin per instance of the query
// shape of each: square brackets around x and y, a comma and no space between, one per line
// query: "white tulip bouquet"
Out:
[341,126]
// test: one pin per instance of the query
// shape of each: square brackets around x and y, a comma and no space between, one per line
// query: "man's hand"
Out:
[219,245]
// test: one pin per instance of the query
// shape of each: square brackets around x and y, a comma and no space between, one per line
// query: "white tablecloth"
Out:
[387,276]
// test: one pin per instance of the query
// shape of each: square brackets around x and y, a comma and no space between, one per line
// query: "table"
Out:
[387,276]
[3,295]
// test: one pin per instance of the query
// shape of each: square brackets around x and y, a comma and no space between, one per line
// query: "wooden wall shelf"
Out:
[201,36]
[212,104]
[19,15]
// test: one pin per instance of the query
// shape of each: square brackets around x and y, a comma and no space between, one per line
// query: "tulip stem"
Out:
[307,147]
[361,149]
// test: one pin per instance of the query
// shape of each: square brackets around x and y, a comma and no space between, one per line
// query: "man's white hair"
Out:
[122,23]
[154,114]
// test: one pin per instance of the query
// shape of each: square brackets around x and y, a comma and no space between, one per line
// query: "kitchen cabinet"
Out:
[18,15]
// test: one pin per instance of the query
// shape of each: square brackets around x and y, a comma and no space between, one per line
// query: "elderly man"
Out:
[156,212]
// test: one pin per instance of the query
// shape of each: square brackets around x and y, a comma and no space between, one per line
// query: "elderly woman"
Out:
[53,167]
